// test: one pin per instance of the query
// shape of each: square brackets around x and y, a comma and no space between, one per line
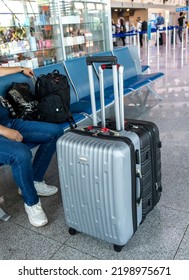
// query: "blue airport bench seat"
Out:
[78,73]
[134,78]
[132,81]
[153,76]
[133,51]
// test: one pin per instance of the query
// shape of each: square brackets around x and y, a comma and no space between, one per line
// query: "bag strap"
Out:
[55,71]
[36,84]
[70,118]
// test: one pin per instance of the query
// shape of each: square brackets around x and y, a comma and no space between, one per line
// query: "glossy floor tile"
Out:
[164,234]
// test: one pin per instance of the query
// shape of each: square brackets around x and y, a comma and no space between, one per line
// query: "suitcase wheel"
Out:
[118,248]
[72,231]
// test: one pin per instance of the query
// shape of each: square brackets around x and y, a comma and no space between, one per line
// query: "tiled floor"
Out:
[165,232]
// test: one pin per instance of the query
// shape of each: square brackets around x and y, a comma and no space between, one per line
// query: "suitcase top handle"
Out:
[101,59]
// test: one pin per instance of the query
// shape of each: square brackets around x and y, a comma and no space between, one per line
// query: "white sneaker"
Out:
[36,215]
[43,189]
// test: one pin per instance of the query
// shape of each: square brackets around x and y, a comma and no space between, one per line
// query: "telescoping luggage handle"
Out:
[101,59]
[119,108]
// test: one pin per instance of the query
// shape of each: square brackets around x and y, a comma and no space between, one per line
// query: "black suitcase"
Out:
[150,146]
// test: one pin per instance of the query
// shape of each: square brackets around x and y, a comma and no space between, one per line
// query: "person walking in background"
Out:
[139,29]
[180,25]
[159,24]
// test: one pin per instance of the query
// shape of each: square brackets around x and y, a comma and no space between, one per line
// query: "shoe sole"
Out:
[36,225]
[49,194]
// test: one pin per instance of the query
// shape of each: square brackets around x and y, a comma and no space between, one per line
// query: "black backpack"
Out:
[52,92]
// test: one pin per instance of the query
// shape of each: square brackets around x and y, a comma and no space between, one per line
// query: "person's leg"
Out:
[180,34]
[43,134]
[160,38]
[18,156]
[181,30]
[123,40]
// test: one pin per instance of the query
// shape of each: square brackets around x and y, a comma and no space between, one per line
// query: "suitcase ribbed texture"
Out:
[96,186]
[150,153]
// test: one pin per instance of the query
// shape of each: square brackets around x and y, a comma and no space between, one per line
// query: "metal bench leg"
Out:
[133,94]
[154,92]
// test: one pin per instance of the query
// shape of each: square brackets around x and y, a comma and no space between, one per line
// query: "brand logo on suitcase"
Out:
[83,159]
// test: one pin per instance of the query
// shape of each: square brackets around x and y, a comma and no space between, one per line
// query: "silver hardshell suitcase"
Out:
[99,172]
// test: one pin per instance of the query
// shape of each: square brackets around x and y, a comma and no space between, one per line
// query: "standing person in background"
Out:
[180,25]
[159,24]
[139,29]
[122,32]
[144,28]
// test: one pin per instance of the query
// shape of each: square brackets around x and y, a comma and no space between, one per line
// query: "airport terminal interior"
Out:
[164,234]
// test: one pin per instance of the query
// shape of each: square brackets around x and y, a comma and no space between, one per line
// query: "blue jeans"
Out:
[19,156]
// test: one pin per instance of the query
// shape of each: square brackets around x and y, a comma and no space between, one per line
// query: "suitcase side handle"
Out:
[101,59]
[139,176]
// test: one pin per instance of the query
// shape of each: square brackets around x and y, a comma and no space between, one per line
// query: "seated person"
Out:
[17,136]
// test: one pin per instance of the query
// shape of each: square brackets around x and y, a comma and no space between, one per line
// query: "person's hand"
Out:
[11,134]
[28,72]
